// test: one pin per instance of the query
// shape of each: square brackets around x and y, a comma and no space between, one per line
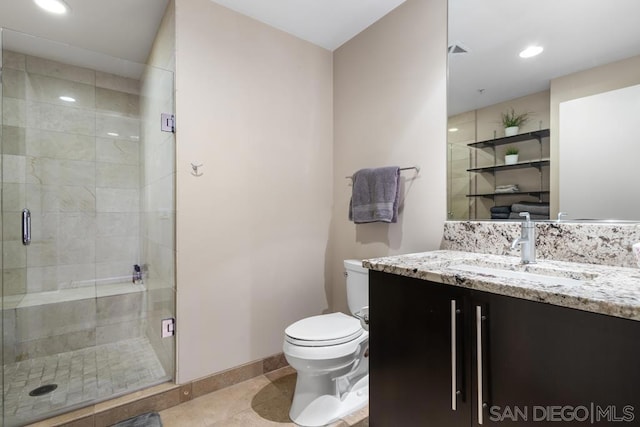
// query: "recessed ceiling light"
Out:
[67,99]
[135,137]
[58,7]
[453,129]
[113,134]
[531,51]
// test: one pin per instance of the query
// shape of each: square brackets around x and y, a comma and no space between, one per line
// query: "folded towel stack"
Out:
[376,195]
[509,188]
[501,209]
[500,216]
[532,208]
[537,210]
[500,212]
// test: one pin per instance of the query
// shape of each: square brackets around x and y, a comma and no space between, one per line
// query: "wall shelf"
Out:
[521,193]
[520,165]
[537,134]
[538,163]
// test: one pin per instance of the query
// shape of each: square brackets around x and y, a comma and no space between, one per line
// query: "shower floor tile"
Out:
[83,376]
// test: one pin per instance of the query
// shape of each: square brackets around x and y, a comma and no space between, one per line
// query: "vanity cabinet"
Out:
[410,360]
[527,364]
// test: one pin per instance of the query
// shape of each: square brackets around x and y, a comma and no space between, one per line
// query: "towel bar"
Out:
[417,168]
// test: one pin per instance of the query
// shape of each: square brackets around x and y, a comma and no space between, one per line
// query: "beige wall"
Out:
[585,83]
[254,107]
[390,109]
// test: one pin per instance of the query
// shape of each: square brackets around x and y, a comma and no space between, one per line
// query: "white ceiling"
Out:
[126,28]
[326,23]
[576,35]
[119,28]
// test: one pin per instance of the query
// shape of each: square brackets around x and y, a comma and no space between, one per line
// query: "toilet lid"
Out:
[323,330]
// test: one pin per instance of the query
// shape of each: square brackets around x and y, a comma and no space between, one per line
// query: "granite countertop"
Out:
[613,291]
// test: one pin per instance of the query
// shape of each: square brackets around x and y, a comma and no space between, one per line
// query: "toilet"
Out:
[330,354]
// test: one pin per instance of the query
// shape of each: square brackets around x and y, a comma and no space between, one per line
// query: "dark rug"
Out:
[150,419]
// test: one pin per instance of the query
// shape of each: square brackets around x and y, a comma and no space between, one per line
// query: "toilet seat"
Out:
[324,330]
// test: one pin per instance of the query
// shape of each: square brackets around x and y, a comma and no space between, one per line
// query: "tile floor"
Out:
[261,401]
[82,376]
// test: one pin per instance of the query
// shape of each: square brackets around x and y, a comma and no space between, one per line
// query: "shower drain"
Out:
[43,389]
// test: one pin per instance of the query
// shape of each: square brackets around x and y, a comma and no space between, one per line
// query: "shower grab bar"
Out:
[26,227]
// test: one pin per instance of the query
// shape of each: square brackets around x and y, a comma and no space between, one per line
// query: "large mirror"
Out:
[576,153]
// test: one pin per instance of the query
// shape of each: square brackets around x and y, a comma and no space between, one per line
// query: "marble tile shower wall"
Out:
[75,165]
[44,330]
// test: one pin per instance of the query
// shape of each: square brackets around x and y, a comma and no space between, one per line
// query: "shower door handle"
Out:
[26,227]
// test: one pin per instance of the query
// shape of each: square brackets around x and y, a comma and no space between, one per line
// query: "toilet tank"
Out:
[357,285]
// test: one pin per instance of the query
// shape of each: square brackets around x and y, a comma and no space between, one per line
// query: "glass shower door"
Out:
[49,297]
[1,248]
[83,153]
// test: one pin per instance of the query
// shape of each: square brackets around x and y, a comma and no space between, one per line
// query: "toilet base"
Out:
[321,410]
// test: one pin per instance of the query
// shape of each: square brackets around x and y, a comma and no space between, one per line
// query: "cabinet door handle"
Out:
[479,362]
[454,357]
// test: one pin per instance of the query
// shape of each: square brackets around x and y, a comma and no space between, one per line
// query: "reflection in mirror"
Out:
[487,78]
[588,129]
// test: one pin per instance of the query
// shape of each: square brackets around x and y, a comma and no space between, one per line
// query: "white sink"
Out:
[541,276]
[542,268]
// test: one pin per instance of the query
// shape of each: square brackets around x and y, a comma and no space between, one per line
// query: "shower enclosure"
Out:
[87,211]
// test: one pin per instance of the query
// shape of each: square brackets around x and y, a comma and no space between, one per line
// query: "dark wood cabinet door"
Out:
[411,354]
[548,365]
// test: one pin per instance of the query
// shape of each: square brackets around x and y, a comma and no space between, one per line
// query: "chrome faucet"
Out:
[561,215]
[527,240]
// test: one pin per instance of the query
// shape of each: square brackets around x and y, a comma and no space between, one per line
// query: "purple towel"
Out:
[376,194]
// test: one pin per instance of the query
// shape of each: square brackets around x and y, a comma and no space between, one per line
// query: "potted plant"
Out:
[512,122]
[511,156]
